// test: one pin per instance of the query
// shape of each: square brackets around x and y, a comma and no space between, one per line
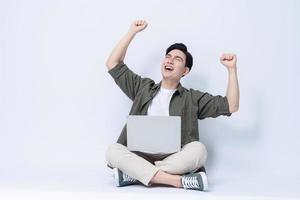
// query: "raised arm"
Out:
[118,53]
[232,93]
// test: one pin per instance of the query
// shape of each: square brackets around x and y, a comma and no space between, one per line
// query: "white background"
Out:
[60,109]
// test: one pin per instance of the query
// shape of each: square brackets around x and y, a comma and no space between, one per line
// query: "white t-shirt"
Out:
[160,103]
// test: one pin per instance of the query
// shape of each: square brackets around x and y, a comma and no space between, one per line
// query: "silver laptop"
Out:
[154,134]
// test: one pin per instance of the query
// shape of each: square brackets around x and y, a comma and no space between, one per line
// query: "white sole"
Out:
[205,182]
[116,177]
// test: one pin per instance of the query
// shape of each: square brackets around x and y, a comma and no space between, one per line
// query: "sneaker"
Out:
[195,181]
[122,179]
[201,169]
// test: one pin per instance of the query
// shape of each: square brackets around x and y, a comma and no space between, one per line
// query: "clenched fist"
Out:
[138,26]
[228,60]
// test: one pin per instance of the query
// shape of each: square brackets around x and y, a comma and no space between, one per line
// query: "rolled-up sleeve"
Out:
[211,106]
[129,82]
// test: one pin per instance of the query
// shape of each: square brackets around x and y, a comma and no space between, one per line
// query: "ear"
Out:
[187,70]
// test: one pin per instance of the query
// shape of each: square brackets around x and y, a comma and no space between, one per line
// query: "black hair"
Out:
[183,48]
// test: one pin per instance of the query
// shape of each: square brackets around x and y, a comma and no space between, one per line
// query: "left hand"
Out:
[228,60]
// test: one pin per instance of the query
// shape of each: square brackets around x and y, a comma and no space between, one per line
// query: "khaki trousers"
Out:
[143,166]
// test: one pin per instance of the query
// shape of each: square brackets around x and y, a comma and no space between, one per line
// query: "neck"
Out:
[169,84]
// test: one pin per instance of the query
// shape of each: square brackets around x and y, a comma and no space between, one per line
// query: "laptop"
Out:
[154,134]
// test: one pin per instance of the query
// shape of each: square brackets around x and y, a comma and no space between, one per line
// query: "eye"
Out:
[178,59]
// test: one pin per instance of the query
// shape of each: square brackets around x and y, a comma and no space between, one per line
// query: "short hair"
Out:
[183,48]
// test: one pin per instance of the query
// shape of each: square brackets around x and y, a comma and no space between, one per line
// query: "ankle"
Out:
[177,182]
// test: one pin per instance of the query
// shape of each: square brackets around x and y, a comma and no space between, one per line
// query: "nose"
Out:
[170,60]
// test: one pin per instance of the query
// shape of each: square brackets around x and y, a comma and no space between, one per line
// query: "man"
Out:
[167,98]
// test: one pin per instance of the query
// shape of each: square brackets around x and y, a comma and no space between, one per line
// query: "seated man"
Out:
[167,98]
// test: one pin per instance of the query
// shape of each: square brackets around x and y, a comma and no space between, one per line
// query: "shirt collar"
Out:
[179,89]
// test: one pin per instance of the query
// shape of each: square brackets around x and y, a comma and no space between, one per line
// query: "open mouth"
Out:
[169,68]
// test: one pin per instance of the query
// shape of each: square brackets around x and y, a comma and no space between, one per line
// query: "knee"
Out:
[200,148]
[112,151]
[200,152]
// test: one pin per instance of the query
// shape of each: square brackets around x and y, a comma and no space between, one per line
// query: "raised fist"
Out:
[228,60]
[138,26]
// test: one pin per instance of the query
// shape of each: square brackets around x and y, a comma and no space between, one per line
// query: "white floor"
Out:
[98,184]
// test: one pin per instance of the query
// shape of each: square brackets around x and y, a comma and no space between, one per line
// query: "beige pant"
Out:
[143,167]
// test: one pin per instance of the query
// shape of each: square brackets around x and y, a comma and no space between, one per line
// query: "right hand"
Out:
[138,26]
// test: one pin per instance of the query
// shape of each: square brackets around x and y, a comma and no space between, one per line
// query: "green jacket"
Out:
[190,104]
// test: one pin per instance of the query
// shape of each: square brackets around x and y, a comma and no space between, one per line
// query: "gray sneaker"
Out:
[122,179]
[195,181]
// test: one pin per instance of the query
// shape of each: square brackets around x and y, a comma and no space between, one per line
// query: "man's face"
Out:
[173,65]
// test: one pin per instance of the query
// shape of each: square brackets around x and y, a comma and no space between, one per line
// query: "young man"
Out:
[167,98]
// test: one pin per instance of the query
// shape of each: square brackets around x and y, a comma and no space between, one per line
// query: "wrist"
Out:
[232,70]
[131,33]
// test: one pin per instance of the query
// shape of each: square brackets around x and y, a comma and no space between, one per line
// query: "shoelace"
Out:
[128,178]
[190,182]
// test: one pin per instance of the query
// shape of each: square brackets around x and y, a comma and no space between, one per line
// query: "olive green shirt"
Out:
[190,104]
